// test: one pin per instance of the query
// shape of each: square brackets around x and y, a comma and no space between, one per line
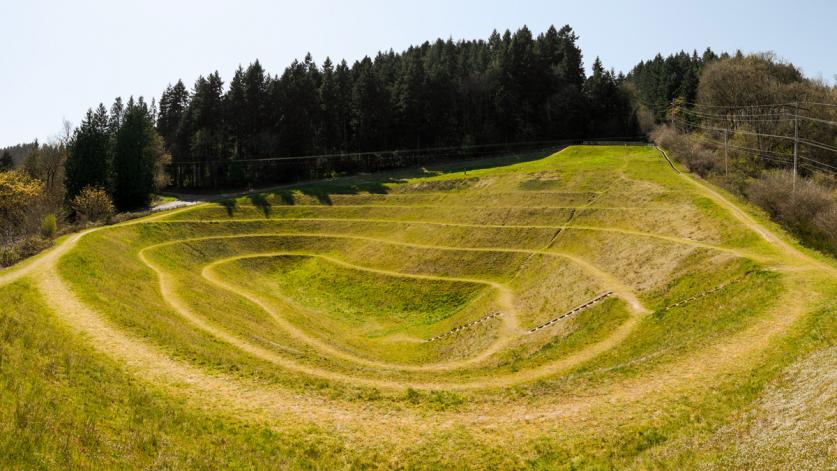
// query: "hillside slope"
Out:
[590,308]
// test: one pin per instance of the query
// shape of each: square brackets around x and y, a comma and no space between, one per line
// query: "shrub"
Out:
[128,215]
[93,204]
[665,136]
[695,157]
[826,223]
[49,226]
[701,160]
[14,252]
[17,192]
[810,211]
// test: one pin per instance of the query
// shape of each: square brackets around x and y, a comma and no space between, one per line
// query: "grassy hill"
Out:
[588,309]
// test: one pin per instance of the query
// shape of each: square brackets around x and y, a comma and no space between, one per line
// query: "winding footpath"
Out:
[242,396]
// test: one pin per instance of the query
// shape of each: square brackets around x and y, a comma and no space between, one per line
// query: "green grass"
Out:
[288,329]
[62,405]
[371,304]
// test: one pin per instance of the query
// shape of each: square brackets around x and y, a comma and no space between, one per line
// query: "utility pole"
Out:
[795,141]
[726,152]
[673,111]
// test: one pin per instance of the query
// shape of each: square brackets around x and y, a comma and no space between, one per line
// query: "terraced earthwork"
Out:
[590,307]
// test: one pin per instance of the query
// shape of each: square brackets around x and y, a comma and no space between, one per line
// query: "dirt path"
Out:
[607,280]
[504,297]
[47,264]
[219,392]
[498,381]
[259,402]
[678,240]
[749,222]
[138,354]
[50,257]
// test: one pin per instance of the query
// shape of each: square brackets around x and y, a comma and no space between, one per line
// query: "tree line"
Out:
[120,152]
[112,157]
[435,101]
[509,88]
[11,156]
[749,100]
[737,125]
[657,82]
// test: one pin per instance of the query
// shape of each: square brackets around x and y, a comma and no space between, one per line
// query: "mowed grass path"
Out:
[384,321]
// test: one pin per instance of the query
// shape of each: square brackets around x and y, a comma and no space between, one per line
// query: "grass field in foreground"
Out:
[391,320]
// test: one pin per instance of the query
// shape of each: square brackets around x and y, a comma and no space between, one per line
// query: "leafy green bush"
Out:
[49,226]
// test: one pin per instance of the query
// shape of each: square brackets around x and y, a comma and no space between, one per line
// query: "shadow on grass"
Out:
[230,205]
[375,183]
[260,201]
[323,191]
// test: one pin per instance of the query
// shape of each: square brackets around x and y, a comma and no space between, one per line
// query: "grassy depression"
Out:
[424,318]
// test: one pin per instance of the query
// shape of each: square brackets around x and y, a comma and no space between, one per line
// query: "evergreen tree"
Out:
[570,67]
[235,109]
[33,163]
[117,111]
[610,114]
[410,99]
[6,162]
[173,106]
[512,87]
[299,101]
[89,158]
[660,80]
[256,141]
[136,153]
[367,103]
[204,120]
[343,106]
[330,133]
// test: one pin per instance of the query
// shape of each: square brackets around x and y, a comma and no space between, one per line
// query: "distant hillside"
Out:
[19,151]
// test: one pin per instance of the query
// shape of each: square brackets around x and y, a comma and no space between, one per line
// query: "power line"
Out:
[769,155]
[818,162]
[768,105]
[751,117]
[809,142]
[729,115]
[754,115]
[763,105]
[824,121]
[817,169]
[759,151]
[775,160]
[401,152]
[734,106]
[818,104]
[818,145]
[776,136]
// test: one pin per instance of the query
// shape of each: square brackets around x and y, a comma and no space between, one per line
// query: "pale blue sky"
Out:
[58,58]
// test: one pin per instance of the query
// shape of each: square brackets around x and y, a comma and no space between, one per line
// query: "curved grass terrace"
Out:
[292,328]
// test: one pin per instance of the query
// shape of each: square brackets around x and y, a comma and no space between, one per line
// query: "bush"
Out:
[695,157]
[17,192]
[702,161]
[93,204]
[15,252]
[49,226]
[665,136]
[810,211]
